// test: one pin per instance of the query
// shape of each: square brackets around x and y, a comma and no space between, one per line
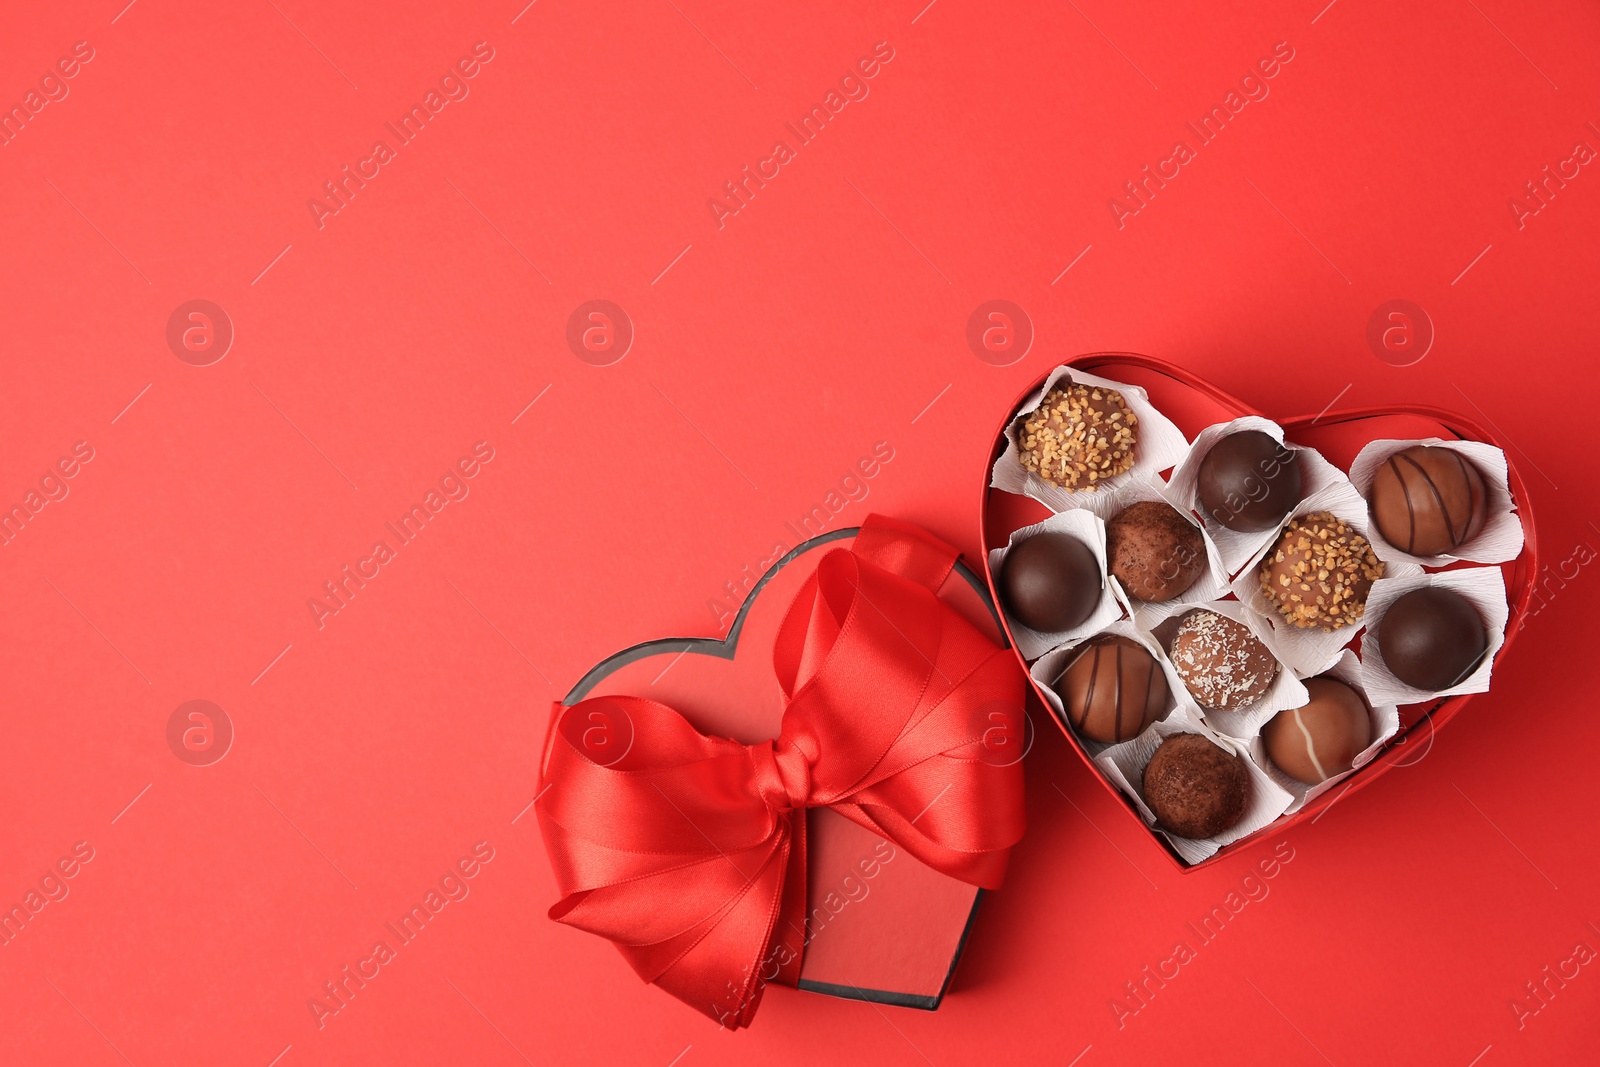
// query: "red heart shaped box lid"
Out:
[1193,403]
[898,933]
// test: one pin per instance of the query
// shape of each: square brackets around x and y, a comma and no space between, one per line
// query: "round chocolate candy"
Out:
[1112,690]
[1249,481]
[1154,551]
[1432,638]
[1428,500]
[1050,582]
[1321,739]
[1195,788]
[1223,665]
[1319,572]
[1079,436]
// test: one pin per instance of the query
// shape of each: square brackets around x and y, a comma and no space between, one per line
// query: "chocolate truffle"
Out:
[1428,500]
[1196,788]
[1249,481]
[1050,582]
[1223,665]
[1313,743]
[1112,690]
[1079,436]
[1319,573]
[1432,638]
[1155,552]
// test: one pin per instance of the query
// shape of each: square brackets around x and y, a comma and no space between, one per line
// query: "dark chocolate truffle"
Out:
[1313,743]
[1223,665]
[1112,690]
[1432,638]
[1154,551]
[1249,481]
[1196,788]
[1428,500]
[1079,436]
[1050,582]
[1319,572]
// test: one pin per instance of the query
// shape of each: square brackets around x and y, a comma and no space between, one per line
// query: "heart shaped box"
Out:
[898,933]
[1193,404]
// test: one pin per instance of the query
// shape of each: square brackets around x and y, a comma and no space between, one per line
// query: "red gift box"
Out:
[1193,404]
[881,925]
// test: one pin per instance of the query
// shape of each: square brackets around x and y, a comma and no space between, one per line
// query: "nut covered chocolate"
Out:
[1319,573]
[1079,436]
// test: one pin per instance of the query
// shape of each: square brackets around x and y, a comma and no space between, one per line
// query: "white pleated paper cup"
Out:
[1124,765]
[1501,538]
[1158,444]
[1385,724]
[1086,527]
[1483,587]
[1237,547]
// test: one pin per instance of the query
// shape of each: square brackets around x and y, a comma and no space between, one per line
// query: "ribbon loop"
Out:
[688,852]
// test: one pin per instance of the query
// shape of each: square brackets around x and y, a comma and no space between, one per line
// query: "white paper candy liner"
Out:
[1500,539]
[1158,444]
[1287,691]
[1211,584]
[1088,528]
[1485,587]
[1235,547]
[1124,765]
[1312,650]
[1048,667]
[1385,724]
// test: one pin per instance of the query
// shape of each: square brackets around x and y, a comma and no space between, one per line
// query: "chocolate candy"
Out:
[1155,552]
[1432,638]
[1223,665]
[1112,690]
[1321,739]
[1249,481]
[1079,436]
[1050,582]
[1428,500]
[1195,788]
[1319,573]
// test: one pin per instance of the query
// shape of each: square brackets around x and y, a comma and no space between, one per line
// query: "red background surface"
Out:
[770,355]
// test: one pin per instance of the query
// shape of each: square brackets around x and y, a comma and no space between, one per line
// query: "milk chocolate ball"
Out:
[1112,690]
[1320,572]
[1155,552]
[1428,500]
[1314,742]
[1050,582]
[1249,481]
[1432,638]
[1195,788]
[1224,666]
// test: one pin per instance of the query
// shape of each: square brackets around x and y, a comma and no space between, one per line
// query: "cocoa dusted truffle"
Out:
[1249,481]
[1224,666]
[1112,690]
[1319,572]
[1079,436]
[1428,500]
[1155,552]
[1196,788]
[1314,742]
[1050,582]
[1432,638]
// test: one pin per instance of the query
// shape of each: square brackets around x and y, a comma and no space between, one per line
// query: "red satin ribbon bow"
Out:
[688,852]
